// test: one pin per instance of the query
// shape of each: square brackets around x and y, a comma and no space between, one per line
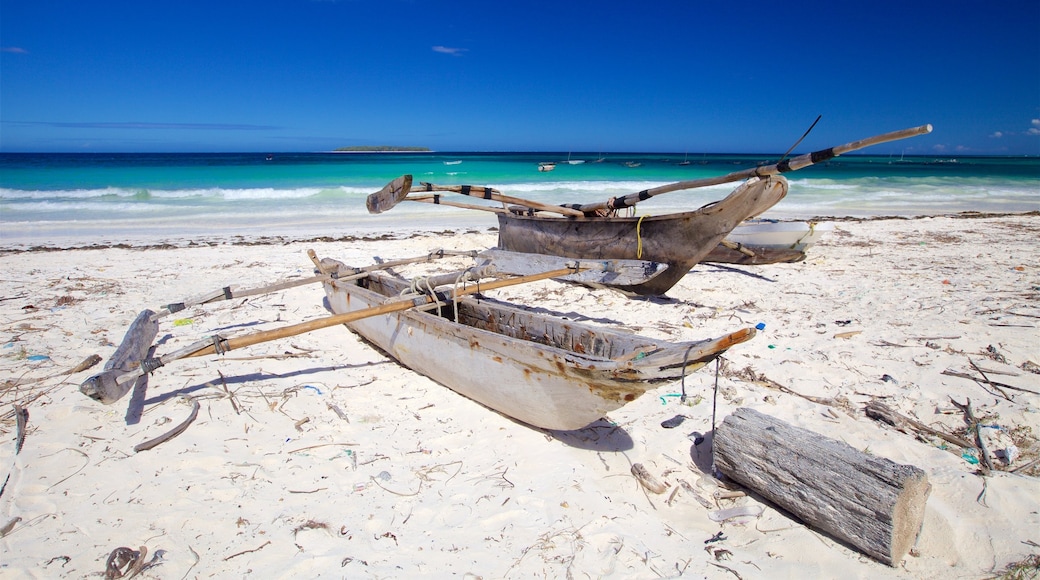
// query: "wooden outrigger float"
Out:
[761,241]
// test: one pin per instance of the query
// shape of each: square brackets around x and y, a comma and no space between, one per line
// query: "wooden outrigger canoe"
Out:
[680,240]
[596,231]
[761,241]
[538,369]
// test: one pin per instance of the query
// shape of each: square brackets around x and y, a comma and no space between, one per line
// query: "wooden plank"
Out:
[135,346]
[868,502]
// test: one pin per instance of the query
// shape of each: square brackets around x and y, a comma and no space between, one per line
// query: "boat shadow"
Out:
[601,435]
[730,269]
[139,400]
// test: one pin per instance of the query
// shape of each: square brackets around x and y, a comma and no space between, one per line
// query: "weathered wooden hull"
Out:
[770,241]
[680,240]
[537,369]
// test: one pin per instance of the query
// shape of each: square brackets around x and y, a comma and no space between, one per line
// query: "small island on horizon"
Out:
[381,149]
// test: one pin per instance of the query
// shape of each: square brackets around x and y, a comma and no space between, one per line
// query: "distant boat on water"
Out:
[453,162]
[632,164]
[574,161]
[546,166]
[686,160]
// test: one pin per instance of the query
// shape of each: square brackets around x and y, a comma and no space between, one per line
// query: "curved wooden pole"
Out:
[495,195]
[792,164]
[436,200]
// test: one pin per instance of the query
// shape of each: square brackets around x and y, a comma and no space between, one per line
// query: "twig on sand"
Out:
[995,384]
[172,432]
[22,416]
[973,427]
[977,369]
[880,411]
[237,554]
[230,395]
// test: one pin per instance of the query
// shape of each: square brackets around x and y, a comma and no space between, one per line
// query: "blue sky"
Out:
[651,76]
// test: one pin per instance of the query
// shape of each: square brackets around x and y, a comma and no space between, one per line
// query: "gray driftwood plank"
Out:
[134,348]
[869,502]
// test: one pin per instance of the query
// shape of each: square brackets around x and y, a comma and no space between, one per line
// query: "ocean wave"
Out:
[159,195]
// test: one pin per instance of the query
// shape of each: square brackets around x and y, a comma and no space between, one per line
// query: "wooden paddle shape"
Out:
[112,384]
[766,170]
[390,195]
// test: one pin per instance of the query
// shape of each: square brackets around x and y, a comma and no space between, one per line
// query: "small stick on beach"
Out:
[237,554]
[992,383]
[989,382]
[172,432]
[973,426]
[879,411]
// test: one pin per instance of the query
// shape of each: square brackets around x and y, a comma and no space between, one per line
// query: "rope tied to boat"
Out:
[474,274]
[714,402]
[220,344]
[639,240]
[149,365]
[424,286]
[714,398]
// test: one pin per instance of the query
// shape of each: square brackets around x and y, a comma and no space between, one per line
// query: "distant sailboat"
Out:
[686,159]
[574,161]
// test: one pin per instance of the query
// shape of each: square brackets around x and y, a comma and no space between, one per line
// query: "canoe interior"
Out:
[518,323]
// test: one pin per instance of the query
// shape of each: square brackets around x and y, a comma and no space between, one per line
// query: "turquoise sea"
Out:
[84,199]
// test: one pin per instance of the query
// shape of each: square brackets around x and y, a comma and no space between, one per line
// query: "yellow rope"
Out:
[639,238]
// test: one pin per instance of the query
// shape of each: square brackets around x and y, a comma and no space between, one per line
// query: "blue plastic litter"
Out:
[665,401]
[315,389]
[760,326]
[38,357]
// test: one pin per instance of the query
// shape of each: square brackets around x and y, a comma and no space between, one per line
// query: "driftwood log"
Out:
[871,503]
[127,357]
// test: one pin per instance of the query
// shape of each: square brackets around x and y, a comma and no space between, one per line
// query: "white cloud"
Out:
[1035,129]
[14,49]
[997,135]
[449,50]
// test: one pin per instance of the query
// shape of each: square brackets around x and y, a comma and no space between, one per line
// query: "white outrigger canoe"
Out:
[765,241]
[541,370]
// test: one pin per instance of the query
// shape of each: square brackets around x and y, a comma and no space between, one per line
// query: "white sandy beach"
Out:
[414,480]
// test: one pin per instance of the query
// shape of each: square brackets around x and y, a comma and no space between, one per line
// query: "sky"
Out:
[461,75]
